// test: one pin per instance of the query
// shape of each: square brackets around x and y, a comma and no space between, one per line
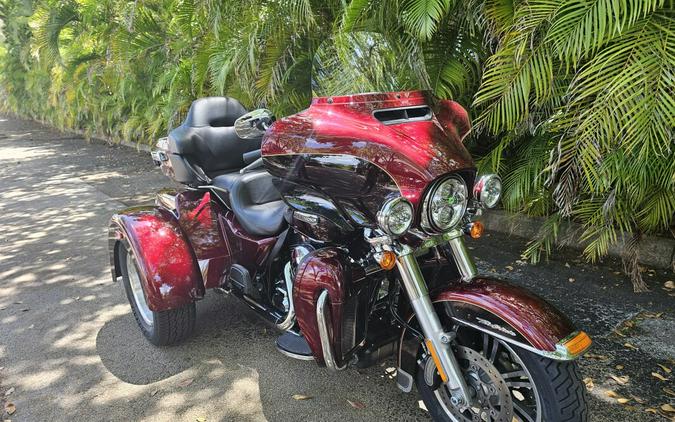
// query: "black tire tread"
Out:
[170,327]
[175,325]
[570,392]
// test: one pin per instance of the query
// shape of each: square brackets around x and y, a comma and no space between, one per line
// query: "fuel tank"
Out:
[341,158]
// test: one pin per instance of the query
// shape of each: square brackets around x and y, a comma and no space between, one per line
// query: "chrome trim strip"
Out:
[560,354]
[323,321]
[166,200]
[293,355]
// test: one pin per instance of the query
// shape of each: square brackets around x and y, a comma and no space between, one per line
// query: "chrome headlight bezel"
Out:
[484,187]
[428,221]
[389,210]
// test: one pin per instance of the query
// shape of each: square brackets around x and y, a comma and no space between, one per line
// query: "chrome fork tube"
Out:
[465,265]
[416,287]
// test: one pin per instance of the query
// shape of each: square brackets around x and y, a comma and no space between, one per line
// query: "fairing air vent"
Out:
[393,116]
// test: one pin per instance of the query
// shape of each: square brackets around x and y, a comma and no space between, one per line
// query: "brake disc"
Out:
[490,396]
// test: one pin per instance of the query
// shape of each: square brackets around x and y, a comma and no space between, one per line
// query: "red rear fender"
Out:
[168,268]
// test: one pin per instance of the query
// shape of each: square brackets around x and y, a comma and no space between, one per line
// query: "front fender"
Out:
[506,311]
[166,262]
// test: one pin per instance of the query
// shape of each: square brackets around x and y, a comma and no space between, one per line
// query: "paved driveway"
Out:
[70,350]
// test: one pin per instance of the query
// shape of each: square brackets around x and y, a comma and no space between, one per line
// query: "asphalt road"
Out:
[70,349]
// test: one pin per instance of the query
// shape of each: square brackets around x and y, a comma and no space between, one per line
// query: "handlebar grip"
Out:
[251,156]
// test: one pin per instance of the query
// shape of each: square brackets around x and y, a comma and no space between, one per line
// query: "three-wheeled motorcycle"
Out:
[344,225]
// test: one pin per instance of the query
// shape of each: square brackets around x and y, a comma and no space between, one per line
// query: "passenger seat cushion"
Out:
[207,137]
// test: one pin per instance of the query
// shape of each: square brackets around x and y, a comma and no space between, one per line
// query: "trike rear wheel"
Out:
[162,328]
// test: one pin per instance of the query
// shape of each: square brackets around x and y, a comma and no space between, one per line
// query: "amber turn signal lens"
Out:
[387,260]
[437,361]
[578,344]
[476,230]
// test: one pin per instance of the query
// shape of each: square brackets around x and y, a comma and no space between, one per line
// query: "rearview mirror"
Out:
[253,124]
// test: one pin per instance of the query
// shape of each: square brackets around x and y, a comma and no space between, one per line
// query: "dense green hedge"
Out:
[572,100]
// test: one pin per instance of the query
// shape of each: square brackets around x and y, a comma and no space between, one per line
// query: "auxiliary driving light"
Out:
[396,216]
[488,190]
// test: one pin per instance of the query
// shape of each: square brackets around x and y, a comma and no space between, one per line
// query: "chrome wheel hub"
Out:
[137,291]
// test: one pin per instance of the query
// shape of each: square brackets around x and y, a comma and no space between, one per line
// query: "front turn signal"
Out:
[387,260]
[578,343]
[476,229]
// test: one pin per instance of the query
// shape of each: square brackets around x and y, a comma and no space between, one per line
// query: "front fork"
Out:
[436,339]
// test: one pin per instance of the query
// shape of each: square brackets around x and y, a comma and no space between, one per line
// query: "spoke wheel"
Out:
[137,292]
[490,396]
[161,328]
[505,382]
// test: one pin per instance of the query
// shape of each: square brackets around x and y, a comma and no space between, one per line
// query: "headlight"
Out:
[445,205]
[396,216]
[487,190]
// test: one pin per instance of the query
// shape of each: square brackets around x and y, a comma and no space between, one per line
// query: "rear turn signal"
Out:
[476,229]
[387,260]
[578,344]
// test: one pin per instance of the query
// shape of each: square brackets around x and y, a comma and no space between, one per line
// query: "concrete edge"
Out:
[653,251]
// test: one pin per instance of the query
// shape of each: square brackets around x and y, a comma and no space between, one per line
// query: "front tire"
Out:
[162,328]
[537,389]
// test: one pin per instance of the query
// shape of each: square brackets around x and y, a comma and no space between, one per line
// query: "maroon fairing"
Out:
[412,154]
[166,264]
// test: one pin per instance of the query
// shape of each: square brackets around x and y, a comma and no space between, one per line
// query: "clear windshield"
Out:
[365,62]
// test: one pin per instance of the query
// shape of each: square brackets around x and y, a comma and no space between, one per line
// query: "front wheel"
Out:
[507,384]
[162,328]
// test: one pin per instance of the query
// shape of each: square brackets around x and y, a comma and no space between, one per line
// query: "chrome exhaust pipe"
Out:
[323,321]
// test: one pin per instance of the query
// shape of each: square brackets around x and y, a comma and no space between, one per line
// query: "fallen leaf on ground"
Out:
[595,356]
[201,419]
[630,346]
[620,380]
[153,393]
[651,410]
[619,367]
[670,285]
[186,382]
[638,399]
[356,404]
[10,408]
[589,384]
[659,376]
[622,400]
[301,397]
[665,368]
[611,394]
[669,391]
[9,391]
[508,267]
[571,280]
[668,408]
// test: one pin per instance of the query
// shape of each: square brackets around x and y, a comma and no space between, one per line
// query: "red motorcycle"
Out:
[344,226]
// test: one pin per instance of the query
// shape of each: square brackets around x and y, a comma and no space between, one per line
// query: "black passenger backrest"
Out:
[207,138]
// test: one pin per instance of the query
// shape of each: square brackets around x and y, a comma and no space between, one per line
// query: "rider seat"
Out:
[257,204]
[205,150]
